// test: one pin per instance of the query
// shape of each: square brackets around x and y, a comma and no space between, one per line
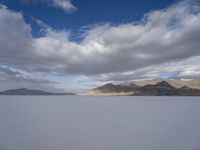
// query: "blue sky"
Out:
[76,45]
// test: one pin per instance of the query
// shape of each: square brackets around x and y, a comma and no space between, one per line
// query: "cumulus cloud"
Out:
[65,5]
[163,41]
[175,33]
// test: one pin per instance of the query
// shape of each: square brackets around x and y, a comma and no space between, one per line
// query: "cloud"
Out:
[185,69]
[14,78]
[175,33]
[65,5]
[16,38]
[162,42]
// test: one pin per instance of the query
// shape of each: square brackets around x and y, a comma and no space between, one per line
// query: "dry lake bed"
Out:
[99,123]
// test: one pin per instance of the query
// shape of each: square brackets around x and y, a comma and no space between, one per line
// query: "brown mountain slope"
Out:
[162,88]
[174,82]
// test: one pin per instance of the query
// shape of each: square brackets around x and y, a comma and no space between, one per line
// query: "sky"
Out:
[63,45]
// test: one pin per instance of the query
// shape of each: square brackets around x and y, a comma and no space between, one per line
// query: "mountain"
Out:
[174,82]
[24,91]
[116,88]
[162,88]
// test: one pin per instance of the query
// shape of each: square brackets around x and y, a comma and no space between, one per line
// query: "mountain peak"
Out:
[163,84]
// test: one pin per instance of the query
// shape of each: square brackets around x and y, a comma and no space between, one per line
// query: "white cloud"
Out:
[163,41]
[15,39]
[65,5]
[163,36]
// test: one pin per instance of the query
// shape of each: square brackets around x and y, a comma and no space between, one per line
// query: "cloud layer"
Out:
[164,41]
[12,78]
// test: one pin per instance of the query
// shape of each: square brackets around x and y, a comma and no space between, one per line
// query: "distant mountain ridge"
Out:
[174,82]
[24,91]
[155,87]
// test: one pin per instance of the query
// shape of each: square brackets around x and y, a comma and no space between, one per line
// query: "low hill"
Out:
[23,91]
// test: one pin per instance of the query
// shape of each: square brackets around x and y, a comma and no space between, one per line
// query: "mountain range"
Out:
[154,87]
[23,91]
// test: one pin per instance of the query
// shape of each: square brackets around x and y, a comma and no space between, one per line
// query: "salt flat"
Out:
[99,123]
